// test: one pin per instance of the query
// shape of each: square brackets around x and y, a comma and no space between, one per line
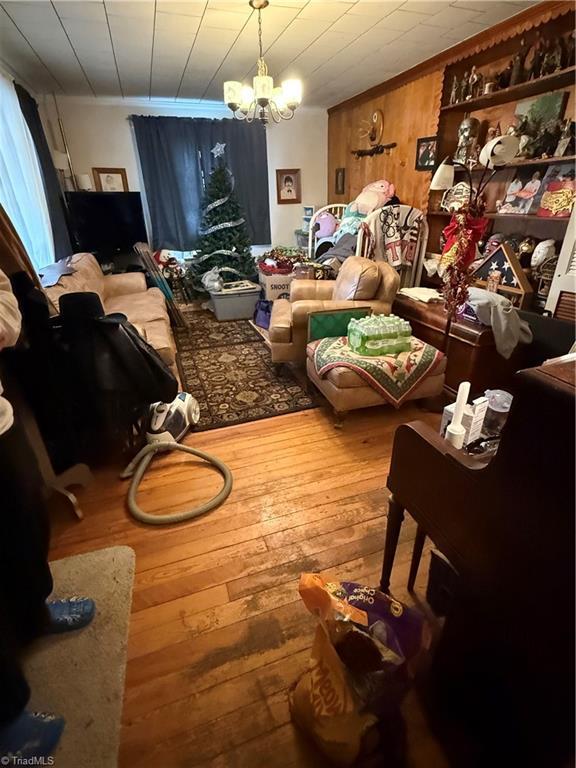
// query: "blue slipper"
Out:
[70,614]
[31,735]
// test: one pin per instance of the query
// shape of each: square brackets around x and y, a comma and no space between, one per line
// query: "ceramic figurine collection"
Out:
[542,58]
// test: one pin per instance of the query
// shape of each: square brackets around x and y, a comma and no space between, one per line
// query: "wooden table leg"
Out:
[395,519]
[416,555]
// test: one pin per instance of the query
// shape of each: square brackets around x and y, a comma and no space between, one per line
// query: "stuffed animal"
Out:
[326,224]
[374,195]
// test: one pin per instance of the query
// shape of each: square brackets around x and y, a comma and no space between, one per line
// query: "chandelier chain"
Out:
[260,31]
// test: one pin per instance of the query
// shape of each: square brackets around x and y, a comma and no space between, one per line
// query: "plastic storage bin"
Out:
[231,304]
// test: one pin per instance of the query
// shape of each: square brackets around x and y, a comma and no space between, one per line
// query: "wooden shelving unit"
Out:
[522,163]
[516,92]
[496,108]
[557,220]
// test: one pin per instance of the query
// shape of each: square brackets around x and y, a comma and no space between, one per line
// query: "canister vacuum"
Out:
[167,425]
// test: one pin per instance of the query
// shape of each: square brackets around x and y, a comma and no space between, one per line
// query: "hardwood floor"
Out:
[218,633]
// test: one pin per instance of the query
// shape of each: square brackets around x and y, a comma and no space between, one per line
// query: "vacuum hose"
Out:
[138,467]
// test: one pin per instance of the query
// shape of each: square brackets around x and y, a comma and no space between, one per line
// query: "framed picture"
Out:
[523,190]
[557,192]
[288,187]
[426,153]
[340,181]
[110,179]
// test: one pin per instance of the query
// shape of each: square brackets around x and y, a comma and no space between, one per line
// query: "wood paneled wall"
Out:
[409,112]
[410,103]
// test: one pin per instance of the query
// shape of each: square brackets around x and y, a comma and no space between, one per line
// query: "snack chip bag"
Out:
[361,663]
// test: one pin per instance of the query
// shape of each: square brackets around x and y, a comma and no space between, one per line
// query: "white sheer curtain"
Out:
[21,187]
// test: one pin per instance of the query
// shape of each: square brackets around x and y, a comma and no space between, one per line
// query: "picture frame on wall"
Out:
[340,181]
[110,179]
[426,153]
[288,186]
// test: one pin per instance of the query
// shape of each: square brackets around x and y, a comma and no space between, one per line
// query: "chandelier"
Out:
[262,101]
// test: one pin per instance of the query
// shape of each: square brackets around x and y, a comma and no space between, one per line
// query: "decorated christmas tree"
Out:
[224,241]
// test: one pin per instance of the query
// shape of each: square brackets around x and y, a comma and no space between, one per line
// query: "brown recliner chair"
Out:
[360,283]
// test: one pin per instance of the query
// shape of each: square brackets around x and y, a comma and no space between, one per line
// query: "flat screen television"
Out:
[106,223]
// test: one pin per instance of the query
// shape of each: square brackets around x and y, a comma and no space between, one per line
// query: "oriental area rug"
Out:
[227,367]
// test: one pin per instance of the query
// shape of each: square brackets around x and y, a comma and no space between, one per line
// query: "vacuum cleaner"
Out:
[167,424]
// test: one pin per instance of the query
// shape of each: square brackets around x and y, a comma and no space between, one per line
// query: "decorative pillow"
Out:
[358,280]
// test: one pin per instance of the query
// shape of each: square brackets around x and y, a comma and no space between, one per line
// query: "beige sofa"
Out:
[360,283]
[127,293]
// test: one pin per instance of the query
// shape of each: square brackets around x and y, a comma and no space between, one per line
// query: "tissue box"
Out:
[472,419]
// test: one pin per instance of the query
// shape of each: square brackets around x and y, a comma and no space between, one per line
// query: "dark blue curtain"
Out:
[175,156]
[52,189]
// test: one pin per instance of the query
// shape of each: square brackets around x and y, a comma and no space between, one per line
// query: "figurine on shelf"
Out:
[504,77]
[533,63]
[467,137]
[493,132]
[569,50]
[518,64]
[473,81]
[463,95]
[552,61]
[490,86]
[454,91]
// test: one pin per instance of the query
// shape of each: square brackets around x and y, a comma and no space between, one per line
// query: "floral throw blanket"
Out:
[392,376]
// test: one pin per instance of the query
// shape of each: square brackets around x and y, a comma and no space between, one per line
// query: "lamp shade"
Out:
[60,160]
[499,151]
[263,87]
[232,92]
[292,90]
[84,182]
[246,98]
[444,176]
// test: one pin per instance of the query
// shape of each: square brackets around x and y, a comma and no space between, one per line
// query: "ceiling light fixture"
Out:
[262,101]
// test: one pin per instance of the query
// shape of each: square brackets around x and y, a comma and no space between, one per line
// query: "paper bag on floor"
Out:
[359,668]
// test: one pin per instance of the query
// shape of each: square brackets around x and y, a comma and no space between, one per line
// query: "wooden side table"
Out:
[472,353]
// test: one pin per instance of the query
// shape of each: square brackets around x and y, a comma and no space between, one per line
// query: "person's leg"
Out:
[25,579]
[25,583]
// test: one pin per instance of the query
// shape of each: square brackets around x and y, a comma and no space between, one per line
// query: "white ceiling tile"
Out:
[337,48]
[353,24]
[429,7]
[323,11]
[224,19]
[192,8]
[452,18]
[375,9]
[468,29]
[402,21]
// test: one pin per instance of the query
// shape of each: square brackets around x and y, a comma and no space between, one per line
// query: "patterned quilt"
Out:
[392,376]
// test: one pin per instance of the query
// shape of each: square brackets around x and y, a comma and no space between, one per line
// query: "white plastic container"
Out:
[235,305]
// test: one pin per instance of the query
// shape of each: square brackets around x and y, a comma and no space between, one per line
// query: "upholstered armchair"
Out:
[360,283]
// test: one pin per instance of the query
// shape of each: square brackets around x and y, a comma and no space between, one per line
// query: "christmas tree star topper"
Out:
[218,149]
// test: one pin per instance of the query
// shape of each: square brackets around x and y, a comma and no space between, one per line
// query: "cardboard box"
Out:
[276,286]
[472,419]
